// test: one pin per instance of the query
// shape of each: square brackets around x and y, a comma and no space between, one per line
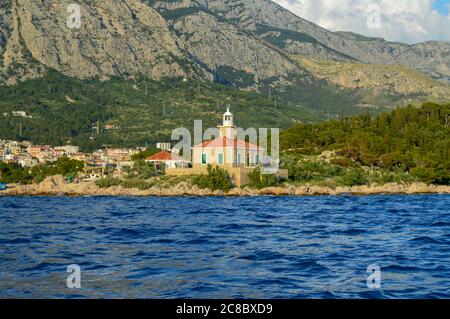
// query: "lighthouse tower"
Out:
[228,129]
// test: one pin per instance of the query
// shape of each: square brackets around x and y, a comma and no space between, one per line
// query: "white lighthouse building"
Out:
[228,152]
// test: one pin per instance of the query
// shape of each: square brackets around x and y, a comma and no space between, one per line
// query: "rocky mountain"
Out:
[298,36]
[116,38]
[248,44]
[378,79]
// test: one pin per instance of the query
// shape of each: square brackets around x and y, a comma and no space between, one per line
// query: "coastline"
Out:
[56,186]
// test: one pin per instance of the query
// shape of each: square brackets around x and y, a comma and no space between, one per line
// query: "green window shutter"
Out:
[204,159]
[220,159]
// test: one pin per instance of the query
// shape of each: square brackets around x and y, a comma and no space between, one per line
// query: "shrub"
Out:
[141,170]
[310,170]
[129,183]
[63,166]
[14,173]
[343,161]
[144,154]
[382,177]
[136,183]
[424,174]
[217,179]
[258,180]
[353,177]
[108,182]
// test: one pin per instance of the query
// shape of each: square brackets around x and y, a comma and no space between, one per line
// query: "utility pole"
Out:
[255,18]
[255,23]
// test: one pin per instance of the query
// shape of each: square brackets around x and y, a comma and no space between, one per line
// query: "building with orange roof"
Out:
[238,157]
[226,150]
[168,160]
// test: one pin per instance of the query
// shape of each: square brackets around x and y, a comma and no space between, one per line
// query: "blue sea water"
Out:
[225,247]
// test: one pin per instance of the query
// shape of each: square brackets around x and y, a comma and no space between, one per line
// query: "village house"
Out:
[21,114]
[164,146]
[79,157]
[238,157]
[27,161]
[42,152]
[167,160]
[67,150]
[110,127]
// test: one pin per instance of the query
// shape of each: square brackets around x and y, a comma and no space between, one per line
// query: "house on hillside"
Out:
[238,157]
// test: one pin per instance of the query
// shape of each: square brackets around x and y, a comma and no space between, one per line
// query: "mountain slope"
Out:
[378,79]
[116,38]
[251,45]
[129,112]
[301,37]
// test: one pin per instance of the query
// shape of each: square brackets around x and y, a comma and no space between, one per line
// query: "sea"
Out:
[386,246]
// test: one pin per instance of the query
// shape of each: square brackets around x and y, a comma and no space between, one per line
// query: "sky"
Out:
[409,21]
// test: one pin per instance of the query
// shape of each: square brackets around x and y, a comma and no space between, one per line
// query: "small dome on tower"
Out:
[228,118]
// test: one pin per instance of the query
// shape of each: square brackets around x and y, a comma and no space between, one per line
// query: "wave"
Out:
[350,232]
[15,241]
[309,265]
[427,240]
[263,255]
[440,224]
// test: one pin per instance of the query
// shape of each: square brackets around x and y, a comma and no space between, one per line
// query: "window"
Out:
[257,159]
[220,158]
[238,160]
[204,159]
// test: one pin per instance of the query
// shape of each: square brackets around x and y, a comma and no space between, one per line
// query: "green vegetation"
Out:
[14,173]
[278,37]
[141,170]
[108,181]
[179,13]
[144,154]
[161,182]
[139,111]
[138,176]
[63,166]
[340,172]
[410,144]
[217,179]
[259,181]
[127,183]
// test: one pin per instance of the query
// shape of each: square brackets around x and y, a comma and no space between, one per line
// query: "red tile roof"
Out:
[227,142]
[161,156]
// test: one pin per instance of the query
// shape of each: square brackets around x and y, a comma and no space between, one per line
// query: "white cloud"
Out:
[407,21]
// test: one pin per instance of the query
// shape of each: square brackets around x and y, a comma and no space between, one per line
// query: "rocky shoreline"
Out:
[56,186]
